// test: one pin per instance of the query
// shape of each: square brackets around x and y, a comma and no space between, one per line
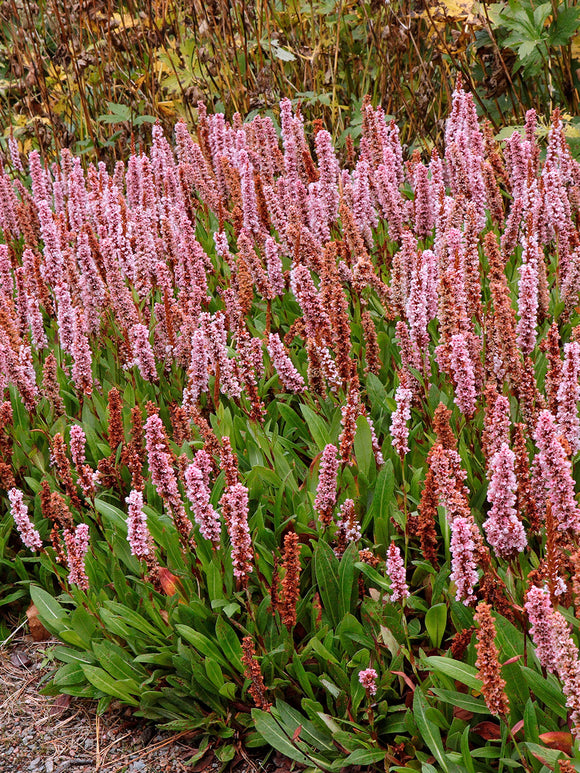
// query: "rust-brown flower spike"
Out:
[291,581]
[488,665]
[257,688]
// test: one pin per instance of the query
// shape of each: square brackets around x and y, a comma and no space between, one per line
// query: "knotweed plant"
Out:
[289,447]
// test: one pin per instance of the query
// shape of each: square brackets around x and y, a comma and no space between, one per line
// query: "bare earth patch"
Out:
[44,734]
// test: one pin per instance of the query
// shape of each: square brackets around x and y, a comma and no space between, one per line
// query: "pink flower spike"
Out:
[463,375]
[463,563]
[326,490]
[287,373]
[397,575]
[198,493]
[568,397]
[77,545]
[368,679]
[556,473]
[137,531]
[503,529]
[401,416]
[19,512]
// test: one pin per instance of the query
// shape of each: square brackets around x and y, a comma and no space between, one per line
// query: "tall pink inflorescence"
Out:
[19,512]
[528,307]
[77,545]
[555,472]
[401,416]
[198,493]
[555,648]
[325,498]
[287,373]
[397,574]
[137,531]
[568,396]
[463,375]
[503,529]
[463,558]
[143,352]
[235,509]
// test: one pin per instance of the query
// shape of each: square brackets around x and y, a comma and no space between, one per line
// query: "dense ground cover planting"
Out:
[291,444]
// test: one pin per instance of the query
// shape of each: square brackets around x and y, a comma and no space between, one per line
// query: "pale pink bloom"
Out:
[400,418]
[316,319]
[82,358]
[463,558]
[368,679]
[287,373]
[568,397]
[19,512]
[77,545]
[397,574]
[198,376]
[528,307]
[235,509]
[162,474]
[424,203]
[463,375]
[497,430]
[503,529]
[274,265]
[325,498]
[143,352]
[556,473]
[15,154]
[555,648]
[378,454]
[137,531]
[198,493]
[348,524]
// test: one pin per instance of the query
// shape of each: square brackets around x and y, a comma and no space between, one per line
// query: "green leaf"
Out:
[50,612]
[326,568]
[317,426]
[364,757]
[455,669]
[118,688]
[461,700]
[229,643]
[545,755]
[548,692]
[273,734]
[430,733]
[346,579]
[435,623]
[363,446]
[466,751]
[201,643]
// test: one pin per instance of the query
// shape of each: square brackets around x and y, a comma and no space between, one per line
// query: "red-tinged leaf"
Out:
[517,727]
[408,681]
[296,733]
[490,731]
[512,660]
[167,580]
[557,739]
[462,714]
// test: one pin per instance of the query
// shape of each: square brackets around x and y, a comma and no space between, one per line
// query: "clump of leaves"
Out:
[272,432]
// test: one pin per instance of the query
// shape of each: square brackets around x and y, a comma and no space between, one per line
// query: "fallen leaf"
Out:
[37,630]
[59,705]
[20,658]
